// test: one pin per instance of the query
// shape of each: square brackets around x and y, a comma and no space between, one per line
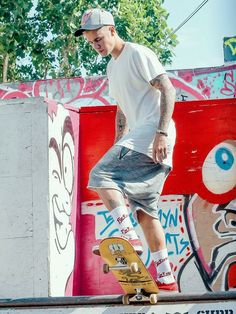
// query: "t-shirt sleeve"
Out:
[147,63]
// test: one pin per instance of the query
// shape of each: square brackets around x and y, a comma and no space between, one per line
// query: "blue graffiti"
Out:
[178,243]
[175,242]
[168,219]
[108,220]
[224,158]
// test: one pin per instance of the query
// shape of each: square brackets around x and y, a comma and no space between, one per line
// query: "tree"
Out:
[54,52]
[13,35]
[46,37]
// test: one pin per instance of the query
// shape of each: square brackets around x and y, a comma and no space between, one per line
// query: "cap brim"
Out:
[79,32]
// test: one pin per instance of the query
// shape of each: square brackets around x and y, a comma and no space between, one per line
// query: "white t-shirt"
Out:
[129,84]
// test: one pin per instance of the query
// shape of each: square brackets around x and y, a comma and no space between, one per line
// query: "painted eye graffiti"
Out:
[219,168]
[68,168]
[224,158]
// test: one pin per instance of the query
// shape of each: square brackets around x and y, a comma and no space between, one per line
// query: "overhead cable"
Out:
[188,18]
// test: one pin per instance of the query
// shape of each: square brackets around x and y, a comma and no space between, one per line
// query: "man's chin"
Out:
[103,54]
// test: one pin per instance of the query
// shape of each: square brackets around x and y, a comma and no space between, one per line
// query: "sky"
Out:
[201,38]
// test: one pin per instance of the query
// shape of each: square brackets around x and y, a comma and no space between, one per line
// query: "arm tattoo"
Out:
[121,125]
[163,84]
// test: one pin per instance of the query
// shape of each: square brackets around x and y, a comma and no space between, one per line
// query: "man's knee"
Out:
[143,217]
[140,215]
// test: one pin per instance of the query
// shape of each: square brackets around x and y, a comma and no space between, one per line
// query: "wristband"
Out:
[162,132]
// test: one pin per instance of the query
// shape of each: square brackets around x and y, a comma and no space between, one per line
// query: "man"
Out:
[137,165]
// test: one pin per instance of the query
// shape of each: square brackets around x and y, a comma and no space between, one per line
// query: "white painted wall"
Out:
[24,209]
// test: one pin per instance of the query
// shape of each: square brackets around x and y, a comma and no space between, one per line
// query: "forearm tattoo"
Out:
[121,125]
[163,84]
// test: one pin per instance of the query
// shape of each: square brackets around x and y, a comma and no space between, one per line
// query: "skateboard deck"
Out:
[129,270]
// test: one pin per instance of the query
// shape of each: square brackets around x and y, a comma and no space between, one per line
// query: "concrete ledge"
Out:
[113,299]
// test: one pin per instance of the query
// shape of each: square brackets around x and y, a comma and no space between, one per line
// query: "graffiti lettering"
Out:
[176,244]
[208,312]
[109,221]
[231,43]
[229,88]
[216,312]
[168,219]
[183,97]
[92,85]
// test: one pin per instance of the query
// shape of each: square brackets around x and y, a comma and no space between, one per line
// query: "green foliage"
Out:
[14,27]
[46,37]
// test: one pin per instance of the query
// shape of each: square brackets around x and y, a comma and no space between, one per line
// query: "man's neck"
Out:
[119,46]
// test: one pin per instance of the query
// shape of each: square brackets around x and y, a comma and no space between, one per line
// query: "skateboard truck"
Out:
[133,267]
[139,297]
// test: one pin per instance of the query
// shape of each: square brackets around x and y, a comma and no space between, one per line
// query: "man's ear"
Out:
[112,29]
[84,34]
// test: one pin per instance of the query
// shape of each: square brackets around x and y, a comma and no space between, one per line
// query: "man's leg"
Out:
[115,203]
[153,231]
[155,238]
[111,198]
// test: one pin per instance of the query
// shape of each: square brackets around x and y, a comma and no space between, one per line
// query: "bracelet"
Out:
[162,132]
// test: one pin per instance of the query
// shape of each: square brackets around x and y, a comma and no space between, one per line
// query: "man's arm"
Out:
[121,125]
[164,85]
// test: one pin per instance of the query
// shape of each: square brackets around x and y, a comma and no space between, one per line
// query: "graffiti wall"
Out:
[63,138]
[206,83]
[210,83]
[198,205]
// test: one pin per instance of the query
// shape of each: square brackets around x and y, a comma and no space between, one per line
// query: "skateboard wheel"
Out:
[106,268]
[153,298]
[125,299]
[134,267]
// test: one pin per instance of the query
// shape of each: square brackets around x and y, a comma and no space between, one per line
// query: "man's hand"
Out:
[159,148]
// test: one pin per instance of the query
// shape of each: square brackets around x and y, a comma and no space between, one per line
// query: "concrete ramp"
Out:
[209,303]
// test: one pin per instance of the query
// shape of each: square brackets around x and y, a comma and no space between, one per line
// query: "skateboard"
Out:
[129,270]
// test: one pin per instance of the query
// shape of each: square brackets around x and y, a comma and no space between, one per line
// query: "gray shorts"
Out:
[133,174]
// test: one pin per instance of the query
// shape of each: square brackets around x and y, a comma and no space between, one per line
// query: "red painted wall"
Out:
[204,129]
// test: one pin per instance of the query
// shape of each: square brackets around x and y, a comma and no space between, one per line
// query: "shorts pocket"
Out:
[123,151]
